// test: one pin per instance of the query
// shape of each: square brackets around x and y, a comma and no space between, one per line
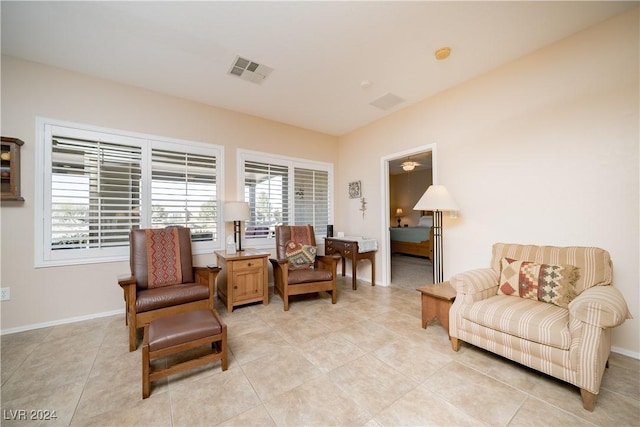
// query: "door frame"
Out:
[386,205]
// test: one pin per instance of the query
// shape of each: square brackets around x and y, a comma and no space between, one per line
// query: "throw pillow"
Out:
[550,283]
[299,255]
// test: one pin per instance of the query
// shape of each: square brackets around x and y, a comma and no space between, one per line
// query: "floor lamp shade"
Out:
[437,199]
[236,212]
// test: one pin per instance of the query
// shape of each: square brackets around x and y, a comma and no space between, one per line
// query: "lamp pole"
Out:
[437,199]
[438,274]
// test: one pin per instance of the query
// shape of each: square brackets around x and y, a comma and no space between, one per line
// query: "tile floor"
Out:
[363,361]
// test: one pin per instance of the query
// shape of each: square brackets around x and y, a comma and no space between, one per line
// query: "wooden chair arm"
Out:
[280,271]
[205,271]
[126,280]
[279,263]
[207,276]
[328,262]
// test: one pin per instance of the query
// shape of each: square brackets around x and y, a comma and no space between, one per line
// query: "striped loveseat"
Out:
[570,340]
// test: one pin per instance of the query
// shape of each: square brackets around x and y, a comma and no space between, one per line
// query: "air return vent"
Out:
[249,70]
[387,101]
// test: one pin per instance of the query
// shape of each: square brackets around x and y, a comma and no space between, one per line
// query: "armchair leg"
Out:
[588,400]
[455,344]
[132,333]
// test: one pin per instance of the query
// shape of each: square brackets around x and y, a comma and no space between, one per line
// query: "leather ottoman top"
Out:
[182,328]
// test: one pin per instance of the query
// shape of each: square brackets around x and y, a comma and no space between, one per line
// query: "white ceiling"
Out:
[320,51]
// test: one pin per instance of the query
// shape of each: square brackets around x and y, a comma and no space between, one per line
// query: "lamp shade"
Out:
[236,211]
[436,198]
[399,212]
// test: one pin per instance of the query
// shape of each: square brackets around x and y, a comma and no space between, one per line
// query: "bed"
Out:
[416,241]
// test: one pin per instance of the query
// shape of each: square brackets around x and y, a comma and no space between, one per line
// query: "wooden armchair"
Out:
[294,278]
[162,280]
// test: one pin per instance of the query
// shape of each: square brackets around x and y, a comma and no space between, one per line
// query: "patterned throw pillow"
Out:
[299,255]
[551,283]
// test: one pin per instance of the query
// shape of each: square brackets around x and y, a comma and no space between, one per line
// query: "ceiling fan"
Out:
[409,165]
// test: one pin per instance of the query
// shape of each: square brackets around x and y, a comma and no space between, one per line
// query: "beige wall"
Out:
[28,90]
[543,151]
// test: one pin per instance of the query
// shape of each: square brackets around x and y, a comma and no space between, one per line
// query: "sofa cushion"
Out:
[299,255]
[531,320]
[551,283]
[594,263]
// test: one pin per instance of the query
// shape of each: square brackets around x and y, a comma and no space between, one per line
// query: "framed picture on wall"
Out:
[355,190]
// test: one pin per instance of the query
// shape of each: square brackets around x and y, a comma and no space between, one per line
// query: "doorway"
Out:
[406,176]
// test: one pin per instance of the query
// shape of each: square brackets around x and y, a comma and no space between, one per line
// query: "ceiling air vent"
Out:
[248,70]
[387,101]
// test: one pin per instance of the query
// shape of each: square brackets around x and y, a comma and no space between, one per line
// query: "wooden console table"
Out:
[348,248]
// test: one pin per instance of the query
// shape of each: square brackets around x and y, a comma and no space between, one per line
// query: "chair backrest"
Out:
[138,259]
[298,233]
[594,263]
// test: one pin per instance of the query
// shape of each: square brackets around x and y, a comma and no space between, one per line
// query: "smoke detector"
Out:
[249,70]
[442,53]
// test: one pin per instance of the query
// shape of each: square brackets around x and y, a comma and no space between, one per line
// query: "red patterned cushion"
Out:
[163,257]
[551,283]
[299,255]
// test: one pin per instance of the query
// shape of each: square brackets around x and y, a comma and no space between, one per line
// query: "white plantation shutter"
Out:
[95,193]
[282,190]
[266,189]
[98,184]
[184,192]
[311,201]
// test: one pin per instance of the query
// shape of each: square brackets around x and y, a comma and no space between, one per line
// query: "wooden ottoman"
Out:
[180,332]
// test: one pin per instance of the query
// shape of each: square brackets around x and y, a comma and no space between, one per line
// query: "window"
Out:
[283,190]
[99,184]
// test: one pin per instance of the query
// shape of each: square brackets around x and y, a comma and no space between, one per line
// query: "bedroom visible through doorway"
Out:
[409,240]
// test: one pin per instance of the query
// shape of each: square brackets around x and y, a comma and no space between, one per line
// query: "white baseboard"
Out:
[60,322]
[625,352]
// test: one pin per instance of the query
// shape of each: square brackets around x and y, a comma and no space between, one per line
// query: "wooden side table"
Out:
[243,278]
[349,249]
[436,302]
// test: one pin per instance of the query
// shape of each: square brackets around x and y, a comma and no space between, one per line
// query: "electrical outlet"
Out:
[5,294]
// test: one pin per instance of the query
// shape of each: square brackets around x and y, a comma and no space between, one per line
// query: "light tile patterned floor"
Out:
[362,361]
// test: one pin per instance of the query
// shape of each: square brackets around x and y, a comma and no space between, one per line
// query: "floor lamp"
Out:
[437,199]
[236,212]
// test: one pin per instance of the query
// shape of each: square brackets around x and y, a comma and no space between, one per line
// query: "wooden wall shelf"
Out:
[10,169]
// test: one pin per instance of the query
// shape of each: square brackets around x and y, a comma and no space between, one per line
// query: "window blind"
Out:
[97,184]
[183,192]
[95,193]
[266,189]
[282,190]
[311,198]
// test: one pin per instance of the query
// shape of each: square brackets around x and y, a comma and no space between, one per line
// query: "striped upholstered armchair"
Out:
[549,308]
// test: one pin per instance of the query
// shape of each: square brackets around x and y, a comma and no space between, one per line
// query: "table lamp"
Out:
[236,212]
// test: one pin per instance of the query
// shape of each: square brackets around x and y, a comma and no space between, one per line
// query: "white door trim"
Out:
[384,167]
